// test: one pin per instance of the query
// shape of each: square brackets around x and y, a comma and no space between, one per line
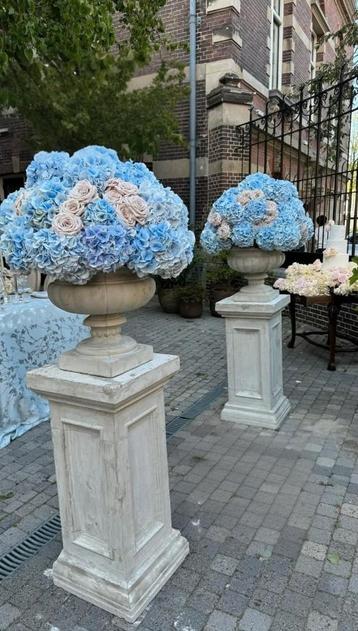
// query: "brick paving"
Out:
[271,517]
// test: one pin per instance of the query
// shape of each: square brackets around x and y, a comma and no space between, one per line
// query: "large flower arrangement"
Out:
[260,211]
[91,212]
[315,280]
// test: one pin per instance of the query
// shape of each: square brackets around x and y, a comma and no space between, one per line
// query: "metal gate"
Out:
[310,141]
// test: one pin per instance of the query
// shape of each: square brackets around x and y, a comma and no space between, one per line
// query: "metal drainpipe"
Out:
[192,130]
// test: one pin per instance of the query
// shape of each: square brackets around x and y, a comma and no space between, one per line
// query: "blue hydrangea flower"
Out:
[45,166]
[95,164]
[15,245]
[107,232]
[8,210]
[100,212]
[243,235]
[106,248]
[282,225]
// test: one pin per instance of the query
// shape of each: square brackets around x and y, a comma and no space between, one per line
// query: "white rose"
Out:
[72,206]
[84,192]
[132,209]
[67,224]
[116,188]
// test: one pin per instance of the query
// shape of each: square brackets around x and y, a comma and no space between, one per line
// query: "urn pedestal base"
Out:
[254,358]
[119,547]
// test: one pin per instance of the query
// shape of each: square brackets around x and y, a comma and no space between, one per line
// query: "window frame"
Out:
[276,69]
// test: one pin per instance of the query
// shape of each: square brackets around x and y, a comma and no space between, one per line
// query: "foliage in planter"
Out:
[218,273]
[193,292]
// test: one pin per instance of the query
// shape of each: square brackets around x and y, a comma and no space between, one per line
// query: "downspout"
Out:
[192,125]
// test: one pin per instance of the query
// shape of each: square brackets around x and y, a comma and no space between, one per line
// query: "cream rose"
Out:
[72,206]
[84,192]
[18,204]
[115,189]
[244,198]
[271,210]
[132,209]
[224,230]
[67,224]
[214,218]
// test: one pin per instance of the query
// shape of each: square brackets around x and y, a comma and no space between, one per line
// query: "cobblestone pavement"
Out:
[272,517]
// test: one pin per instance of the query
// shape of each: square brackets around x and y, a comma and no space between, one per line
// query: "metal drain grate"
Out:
[194,410]
[30,546]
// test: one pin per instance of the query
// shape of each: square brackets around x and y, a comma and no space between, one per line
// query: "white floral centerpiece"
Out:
[315,280]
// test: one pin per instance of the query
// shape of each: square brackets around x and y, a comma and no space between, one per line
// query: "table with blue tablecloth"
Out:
[32,334]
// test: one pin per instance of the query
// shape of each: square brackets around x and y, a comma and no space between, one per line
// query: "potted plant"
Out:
[101,228]
[191,300]
[222,281]
[168,296]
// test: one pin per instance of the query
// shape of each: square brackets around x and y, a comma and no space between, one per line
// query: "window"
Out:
[276,45]
[313,62]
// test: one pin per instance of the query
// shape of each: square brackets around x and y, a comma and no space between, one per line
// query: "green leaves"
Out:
[66,71]
[354,278]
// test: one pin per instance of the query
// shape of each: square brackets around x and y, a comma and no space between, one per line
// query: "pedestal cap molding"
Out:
[77,388]
[230,307]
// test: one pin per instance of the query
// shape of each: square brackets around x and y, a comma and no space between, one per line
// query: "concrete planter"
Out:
[105,297]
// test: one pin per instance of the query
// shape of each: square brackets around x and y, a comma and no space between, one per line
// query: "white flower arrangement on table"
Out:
[313,280]
[261,212]
[91,212]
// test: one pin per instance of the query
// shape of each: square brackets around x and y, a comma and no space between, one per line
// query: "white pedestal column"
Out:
[119,547]
[254,359]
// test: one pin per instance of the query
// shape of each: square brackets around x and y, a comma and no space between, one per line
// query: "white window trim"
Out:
[276,19]
[313,60]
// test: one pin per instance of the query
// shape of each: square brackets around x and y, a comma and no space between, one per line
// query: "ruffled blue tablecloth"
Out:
[32,334]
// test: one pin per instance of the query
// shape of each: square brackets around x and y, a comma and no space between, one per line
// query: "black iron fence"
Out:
[309,140]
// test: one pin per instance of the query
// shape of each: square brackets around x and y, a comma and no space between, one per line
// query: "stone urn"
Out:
[255,264]
[104,299]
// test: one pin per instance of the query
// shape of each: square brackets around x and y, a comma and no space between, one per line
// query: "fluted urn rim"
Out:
[105,294]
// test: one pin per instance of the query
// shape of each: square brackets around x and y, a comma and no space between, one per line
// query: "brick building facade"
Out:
[266,44]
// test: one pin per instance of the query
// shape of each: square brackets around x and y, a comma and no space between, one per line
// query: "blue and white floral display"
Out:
[261,212]
[92,213]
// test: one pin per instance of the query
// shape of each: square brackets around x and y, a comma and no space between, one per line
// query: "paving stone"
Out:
[353,584]
[327,604]
[318,622]
[265,601]
[190,619]
[345,536]
[339,568]
[203,600]
[314,550]
[335,585]
[254,620]
[285,621]
[307,565]
[8,613]
[233,603]
[219,620]
[225,565]
[303,584]
[296,603]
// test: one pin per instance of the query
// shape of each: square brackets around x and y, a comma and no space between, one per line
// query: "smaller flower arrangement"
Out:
[313,280]
[91,212]
[261,212]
